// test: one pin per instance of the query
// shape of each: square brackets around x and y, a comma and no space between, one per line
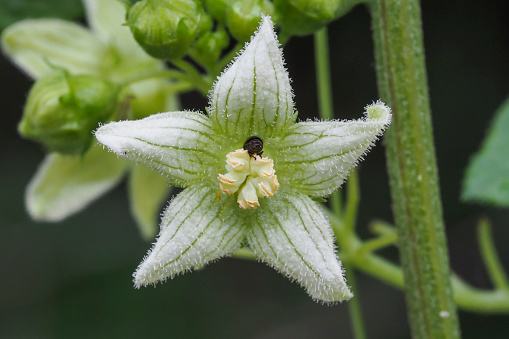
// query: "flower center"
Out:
[252,177]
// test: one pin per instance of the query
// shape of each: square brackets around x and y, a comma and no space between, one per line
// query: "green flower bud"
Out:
[218,8]
[62,110]
[166,29]
[302,17]
[209,46]
[243,17]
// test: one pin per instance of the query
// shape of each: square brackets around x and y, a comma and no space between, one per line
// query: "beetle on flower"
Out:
[265,202]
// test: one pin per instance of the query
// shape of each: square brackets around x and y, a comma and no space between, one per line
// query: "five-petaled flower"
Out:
[284,227]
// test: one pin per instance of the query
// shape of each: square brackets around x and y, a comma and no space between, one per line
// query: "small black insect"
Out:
[254,146]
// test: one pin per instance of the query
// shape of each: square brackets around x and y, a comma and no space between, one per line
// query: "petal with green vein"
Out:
[292,235]
[178,144]
[316,157]
[195,230]
[64,185]
[253,96]
[147,192]
[39,45]
[106,19]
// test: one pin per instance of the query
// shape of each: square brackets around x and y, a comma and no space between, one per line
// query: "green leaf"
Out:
[487,176]
[147,191]
[16,10]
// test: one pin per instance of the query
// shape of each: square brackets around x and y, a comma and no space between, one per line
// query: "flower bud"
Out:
[243,17]
[218,8]
[302,17]
[209,46]
[166,29]
[62,110]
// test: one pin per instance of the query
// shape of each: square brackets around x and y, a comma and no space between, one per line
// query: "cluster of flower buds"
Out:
[62,110]
[169,29]
[303,17]
[166,29]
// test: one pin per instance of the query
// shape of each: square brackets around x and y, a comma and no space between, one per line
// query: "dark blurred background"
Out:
[73,279]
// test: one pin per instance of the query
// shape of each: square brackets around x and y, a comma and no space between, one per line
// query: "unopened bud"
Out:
[62,110]
[302,17]
[218,8]
[243,17]
[209,46]
[166,29]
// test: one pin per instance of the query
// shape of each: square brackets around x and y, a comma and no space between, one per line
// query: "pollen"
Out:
[250,177]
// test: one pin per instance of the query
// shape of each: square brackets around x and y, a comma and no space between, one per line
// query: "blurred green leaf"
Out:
[487,176]
[15,10]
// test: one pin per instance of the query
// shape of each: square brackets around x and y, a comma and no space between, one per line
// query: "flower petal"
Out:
[64,185]
[106,19]
[316,157]
[38,46]
[291,234]
[253,96]
[179,144]
[147,191]
[195,230]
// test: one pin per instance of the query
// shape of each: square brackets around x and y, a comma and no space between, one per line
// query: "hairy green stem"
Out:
[467,297]
[412,168]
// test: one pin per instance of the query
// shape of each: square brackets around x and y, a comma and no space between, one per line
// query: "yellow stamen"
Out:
[252,177]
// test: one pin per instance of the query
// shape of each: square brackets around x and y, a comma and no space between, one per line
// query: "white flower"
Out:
[284,227]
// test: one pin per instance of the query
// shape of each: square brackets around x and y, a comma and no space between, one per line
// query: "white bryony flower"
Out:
[64,185]
[234,194]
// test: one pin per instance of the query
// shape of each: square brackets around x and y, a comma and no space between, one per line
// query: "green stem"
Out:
[354,305]
[490,257]
[165,73]
[352,201]
[402,84]
[324,89]
[244,253]
[378,243]
[467,297]
[227,58]
[193,76]
[324,92]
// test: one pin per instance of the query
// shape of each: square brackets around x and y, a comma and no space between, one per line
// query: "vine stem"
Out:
[402,84]
[324,92]
[193,76]
[325,103]
[490,257]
